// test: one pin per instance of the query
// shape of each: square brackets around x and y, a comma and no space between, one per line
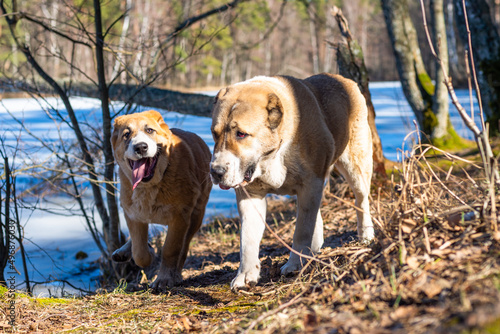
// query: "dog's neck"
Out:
[273,170]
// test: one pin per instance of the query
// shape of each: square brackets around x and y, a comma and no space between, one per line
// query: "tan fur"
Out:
[176,195]
[290,133]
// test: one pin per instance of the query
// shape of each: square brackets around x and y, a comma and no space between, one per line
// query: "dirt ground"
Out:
[433,268]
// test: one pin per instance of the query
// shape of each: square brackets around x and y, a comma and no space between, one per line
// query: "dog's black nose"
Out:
[217,172]
[141,148]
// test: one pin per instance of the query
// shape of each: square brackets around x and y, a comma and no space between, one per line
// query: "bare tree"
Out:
[10,223]
[79,35]
[440,97]
[427,101]
[351,65]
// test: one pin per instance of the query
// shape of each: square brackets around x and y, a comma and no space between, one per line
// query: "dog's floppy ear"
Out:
[158,118]
[114,135]
[275,110]
[220,94]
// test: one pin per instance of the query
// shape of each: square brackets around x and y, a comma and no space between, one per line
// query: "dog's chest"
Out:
[144,206]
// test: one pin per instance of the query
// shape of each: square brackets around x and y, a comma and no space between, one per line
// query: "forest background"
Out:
[261,37]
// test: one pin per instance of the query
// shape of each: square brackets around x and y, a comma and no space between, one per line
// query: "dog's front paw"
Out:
[367,235]
[290,267]
[144,257]
[245,279]
[123,254]
[166,279]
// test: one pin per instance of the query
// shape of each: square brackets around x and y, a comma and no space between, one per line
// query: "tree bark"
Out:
[407,53]
[352,65]
[452,41]
[429,104]
[486,53]
[111,228]
[314,40]
[120,60]
[440,99]
[5,238]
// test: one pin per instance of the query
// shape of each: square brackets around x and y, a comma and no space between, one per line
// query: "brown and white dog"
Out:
[284,135]
[163,180]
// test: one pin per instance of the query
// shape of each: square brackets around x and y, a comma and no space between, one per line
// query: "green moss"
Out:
[426,83]
[232,308]
[491,328]
[452,141]
[494,327]
[51,301]
[130,314]
[430,120]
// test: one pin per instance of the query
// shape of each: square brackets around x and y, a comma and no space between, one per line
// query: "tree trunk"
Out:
[486,52]
[407,53]
[5,232]
[120,60]
[427,102]
[352,65]
[452,41]
[440,98]
[111,228]
[314,40]
[268,51]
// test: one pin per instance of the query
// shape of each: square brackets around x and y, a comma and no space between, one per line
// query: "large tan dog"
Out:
[284,135]
[163,180]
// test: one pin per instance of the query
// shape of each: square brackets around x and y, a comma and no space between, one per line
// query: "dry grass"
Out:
[434,267]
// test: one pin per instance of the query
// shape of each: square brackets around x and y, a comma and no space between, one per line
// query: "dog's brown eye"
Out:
[149,130]
[126,135]
[214,135]
[240,134]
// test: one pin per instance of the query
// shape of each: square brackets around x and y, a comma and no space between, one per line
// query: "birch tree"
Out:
[426,100]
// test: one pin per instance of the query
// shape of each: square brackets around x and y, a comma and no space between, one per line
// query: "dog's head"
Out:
[139,146]
[246,121]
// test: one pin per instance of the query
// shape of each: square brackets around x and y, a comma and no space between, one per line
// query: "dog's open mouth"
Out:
[249,173]
[143,169]
[247,178]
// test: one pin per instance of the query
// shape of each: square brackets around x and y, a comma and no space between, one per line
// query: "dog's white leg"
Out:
[317,240]
[308,235]
[359,174]
[252,212]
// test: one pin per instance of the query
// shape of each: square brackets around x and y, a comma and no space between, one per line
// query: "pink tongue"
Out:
[223,187]
[138,171]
